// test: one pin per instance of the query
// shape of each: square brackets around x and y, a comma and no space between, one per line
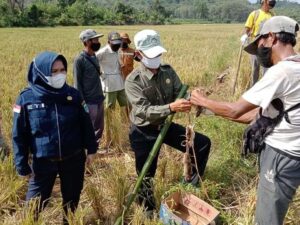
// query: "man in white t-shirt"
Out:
[280,158]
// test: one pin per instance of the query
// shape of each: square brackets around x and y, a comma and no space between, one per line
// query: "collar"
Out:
[147,72]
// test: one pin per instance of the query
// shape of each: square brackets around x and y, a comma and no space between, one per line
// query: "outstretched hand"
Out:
[197,97]
[181,105]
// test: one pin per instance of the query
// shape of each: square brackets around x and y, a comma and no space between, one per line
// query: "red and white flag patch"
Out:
[17,108]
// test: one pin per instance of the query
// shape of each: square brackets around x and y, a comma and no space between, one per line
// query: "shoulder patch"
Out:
[17,108]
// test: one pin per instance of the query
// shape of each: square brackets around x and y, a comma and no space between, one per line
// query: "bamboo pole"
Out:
[238,69]
[150,159]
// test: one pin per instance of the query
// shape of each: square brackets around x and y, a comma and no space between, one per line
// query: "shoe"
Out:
[193,181]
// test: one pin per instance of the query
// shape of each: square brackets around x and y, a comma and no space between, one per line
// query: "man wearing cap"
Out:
[112,81]
[86,72]
[127,55]
[152,89]
[252,25]
[280,158]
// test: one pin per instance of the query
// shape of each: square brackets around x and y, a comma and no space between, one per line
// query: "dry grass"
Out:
[199,53]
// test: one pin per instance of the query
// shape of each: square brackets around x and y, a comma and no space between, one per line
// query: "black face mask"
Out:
[95,46]
[115,48]
[272,4]
[264,56]
[124,45]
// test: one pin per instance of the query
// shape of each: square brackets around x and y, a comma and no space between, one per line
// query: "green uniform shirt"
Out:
[150,95]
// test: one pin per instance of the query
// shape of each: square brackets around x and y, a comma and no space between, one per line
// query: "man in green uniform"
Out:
[152,89]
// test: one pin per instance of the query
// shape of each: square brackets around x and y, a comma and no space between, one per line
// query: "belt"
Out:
[151,127]
[60,159]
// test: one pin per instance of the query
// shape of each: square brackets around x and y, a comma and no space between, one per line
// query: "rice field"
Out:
[199,54]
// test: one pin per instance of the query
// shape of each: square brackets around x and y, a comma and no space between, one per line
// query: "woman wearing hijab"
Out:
[52,125]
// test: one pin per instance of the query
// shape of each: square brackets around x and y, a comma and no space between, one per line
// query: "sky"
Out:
[254,1]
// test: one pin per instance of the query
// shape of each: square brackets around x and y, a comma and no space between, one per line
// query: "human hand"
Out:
[89,159]
[197,97]
[180,105]
[244,39]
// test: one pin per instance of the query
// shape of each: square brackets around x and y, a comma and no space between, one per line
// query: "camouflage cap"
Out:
[114,38]
[148,41]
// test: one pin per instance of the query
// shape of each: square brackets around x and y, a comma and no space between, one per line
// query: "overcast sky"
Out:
[254,1]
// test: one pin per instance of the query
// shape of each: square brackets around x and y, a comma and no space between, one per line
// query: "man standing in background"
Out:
[112,80]
[127,55]
[86,74]
[252,25]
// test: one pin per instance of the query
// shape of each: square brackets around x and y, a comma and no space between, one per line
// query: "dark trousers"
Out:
[96,112]
[142,140]
[71,174]
[279,179]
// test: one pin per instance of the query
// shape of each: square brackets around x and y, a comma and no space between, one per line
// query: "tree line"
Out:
[33,13]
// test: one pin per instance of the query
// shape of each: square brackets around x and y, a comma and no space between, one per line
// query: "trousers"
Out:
[71,174]
[279,179]
[96,112]
[142,140]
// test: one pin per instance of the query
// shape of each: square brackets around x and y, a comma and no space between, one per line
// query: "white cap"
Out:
[148,41]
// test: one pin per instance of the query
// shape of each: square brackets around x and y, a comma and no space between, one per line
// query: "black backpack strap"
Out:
[286,115]
[96,67]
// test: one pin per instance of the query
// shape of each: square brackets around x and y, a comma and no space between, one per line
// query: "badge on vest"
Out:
[69,98]
[168,81]
[36,106]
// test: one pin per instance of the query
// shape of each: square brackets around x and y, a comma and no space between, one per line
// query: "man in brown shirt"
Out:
[127,55]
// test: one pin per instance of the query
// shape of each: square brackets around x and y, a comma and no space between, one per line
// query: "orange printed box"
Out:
[186,209]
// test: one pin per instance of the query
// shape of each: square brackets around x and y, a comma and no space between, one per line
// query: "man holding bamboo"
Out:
[152,89]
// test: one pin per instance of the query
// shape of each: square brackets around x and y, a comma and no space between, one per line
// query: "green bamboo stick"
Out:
[150,159]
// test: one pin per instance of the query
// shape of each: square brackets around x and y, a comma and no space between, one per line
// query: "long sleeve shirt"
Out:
[150,94]
[86,78]
[126,58]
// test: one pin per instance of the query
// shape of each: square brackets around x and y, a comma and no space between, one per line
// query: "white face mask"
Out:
[57,81]
[151,63]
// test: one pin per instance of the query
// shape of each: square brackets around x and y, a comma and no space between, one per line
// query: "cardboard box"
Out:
[186,209]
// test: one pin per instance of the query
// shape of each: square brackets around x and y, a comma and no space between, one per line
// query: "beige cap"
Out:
[276,24]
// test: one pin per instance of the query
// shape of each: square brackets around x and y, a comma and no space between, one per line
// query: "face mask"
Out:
[95,46]
[124,45]
[115,48]
[272,4]
[57,81]
[151,63]
[264,56]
